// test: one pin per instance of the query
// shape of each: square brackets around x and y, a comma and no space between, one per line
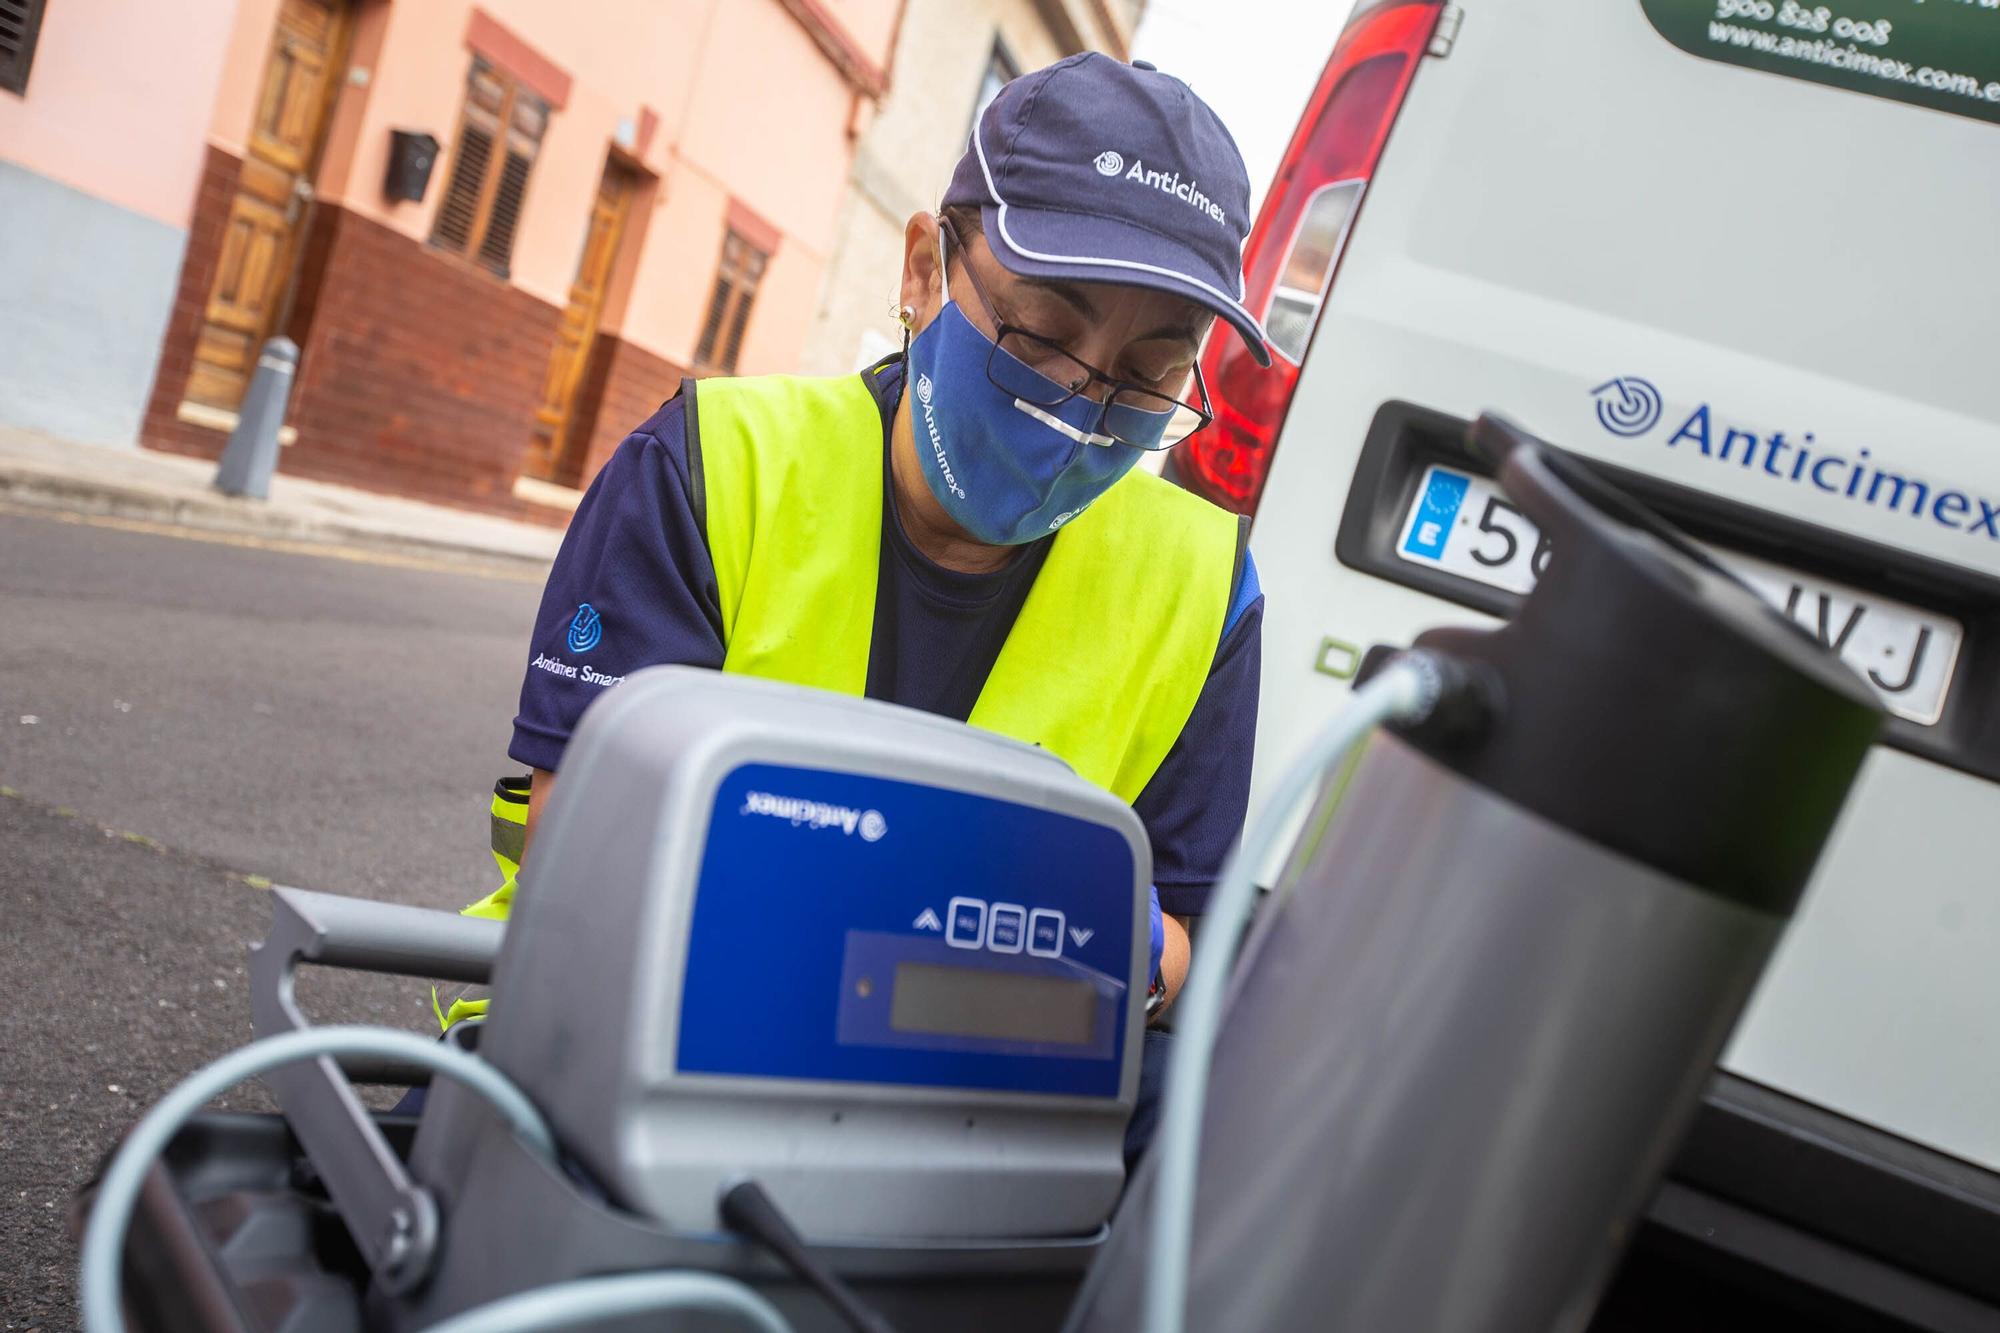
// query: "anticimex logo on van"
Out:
[1627,405]
[1630,407]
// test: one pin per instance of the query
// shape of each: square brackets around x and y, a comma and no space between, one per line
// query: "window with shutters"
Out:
[729,305]
[20,20]
[498,137]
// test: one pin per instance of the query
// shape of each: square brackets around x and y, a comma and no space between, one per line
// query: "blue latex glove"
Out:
[1159,942]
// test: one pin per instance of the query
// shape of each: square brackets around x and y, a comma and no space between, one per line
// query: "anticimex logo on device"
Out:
[802,813]
[1631,408]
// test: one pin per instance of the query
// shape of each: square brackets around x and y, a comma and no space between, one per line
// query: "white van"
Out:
[1744,255]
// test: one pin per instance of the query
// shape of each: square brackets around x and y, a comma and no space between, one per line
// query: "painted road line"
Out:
[493,567]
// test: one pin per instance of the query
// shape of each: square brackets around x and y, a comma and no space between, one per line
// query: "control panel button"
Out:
[965,923]
[1006,927]
[1045,932]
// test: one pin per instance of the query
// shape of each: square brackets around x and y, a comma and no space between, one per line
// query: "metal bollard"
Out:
[251,455]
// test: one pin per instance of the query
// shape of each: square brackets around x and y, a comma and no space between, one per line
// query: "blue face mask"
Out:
[1006,470]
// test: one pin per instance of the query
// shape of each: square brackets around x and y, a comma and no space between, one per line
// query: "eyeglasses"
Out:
[1132,412]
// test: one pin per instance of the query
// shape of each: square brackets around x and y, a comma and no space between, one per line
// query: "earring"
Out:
[906,315]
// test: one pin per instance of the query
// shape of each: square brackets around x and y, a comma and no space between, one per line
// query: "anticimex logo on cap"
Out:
[1110,163]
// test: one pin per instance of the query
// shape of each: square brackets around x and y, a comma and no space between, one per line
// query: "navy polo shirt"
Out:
[635,554]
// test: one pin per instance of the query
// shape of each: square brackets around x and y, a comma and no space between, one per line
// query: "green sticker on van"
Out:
[1941,54]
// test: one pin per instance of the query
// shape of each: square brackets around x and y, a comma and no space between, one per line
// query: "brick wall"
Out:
[627,383]
[161,429]
[419,375]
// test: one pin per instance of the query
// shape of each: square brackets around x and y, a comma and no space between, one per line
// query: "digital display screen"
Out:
[981,1002]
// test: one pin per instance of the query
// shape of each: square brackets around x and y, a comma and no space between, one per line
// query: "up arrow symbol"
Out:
[1081,935]
[928,920]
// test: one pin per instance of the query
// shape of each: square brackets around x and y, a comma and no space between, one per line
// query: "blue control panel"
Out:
[862,929]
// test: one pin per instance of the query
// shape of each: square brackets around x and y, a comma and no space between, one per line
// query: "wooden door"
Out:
[550,452]
[253,272]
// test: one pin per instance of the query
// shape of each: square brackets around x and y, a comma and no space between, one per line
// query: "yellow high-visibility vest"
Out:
[1108,654]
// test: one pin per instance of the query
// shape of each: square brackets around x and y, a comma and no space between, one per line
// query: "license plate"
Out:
[1465,525]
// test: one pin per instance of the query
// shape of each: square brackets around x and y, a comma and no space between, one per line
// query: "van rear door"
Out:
[1773,304]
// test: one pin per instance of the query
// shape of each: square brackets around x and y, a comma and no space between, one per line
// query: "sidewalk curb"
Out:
[236,516]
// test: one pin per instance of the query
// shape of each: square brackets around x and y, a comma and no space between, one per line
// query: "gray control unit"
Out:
[887,966]
[879,961]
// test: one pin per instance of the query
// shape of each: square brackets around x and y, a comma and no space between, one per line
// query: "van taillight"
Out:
[1290,258]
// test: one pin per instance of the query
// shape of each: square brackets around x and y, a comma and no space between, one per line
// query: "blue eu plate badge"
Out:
[1443,493]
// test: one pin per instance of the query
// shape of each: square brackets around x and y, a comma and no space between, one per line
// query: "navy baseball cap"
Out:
[1093,170]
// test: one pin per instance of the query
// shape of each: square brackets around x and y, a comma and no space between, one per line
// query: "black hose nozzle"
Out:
[747,1210]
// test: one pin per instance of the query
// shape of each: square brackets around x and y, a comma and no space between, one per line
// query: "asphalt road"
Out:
[180,722]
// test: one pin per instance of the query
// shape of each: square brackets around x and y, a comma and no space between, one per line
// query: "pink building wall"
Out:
[119,98]
[763,118]
[727,107]
[747,106]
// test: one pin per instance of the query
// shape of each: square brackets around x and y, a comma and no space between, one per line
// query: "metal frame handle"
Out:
[394,1221]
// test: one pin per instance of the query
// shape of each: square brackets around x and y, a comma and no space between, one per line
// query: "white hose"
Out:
[562,1305]
[118,1193]
[586,1300]
[1407,689]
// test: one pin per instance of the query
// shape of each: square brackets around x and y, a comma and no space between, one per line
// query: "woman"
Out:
[960,528]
